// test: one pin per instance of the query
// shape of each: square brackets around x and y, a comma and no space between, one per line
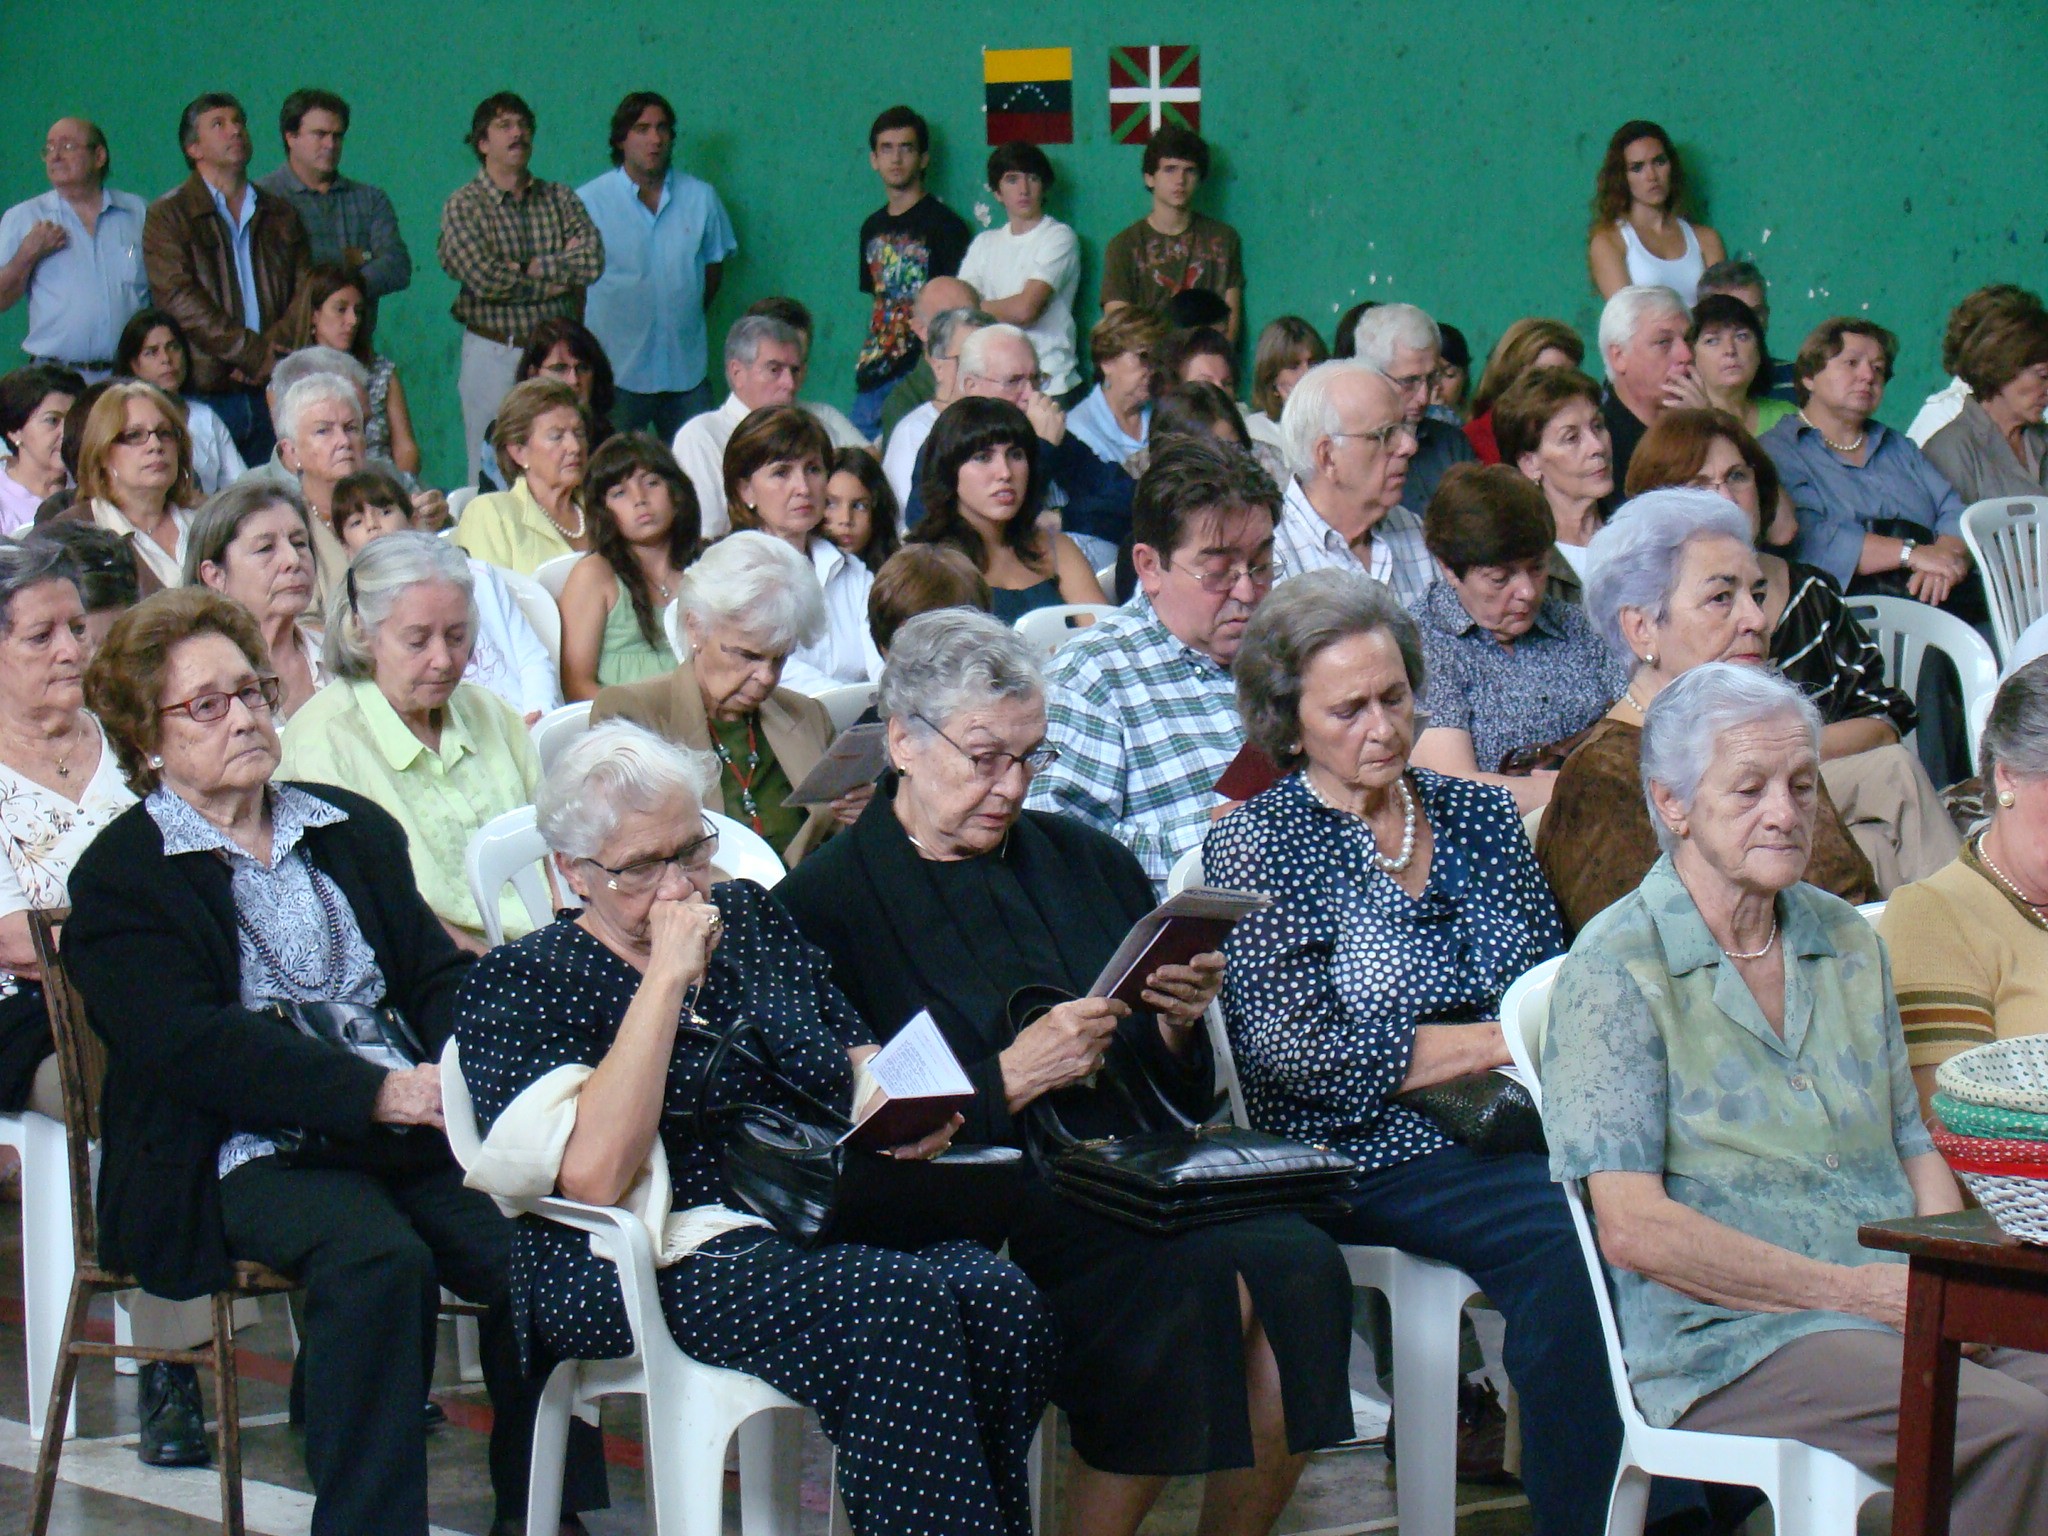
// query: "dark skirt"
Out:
[25,1040]
[1151,1370]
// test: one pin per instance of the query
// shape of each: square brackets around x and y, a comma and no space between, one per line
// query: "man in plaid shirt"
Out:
[522,249]
[1142,706]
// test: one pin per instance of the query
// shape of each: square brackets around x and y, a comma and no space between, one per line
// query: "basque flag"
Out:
[1152,86]
[1030,95]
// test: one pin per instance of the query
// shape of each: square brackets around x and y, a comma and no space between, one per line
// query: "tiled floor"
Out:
[107,1492]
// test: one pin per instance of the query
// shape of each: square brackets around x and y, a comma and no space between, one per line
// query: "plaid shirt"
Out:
[1304,542]
[487,238]
[1145,726]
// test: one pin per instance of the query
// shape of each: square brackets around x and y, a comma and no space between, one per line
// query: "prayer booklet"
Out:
[856,758]
[1250,774]
[922,1086]
[1195,922]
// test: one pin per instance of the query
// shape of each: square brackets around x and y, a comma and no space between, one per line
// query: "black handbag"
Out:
[1166,1173]
[798,1177]
[381,1036]
[1487,1111]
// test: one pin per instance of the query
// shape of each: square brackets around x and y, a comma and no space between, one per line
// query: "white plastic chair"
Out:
[1427,1302]
[554,574]
[556,729]
[45,1255]
[1812,1492]
[1902,630]
[672,624]
[540,610]
[2004,537]
[847,703]
[509,848]
[458,500]
[743,853]
[1106,578]
[1051,628]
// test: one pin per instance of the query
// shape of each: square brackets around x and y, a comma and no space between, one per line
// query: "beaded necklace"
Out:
[745,781]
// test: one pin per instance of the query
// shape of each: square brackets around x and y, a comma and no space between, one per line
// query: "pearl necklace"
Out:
[567,532]
[1409,822]
[2006,880]
[1756,954]
[1837,447]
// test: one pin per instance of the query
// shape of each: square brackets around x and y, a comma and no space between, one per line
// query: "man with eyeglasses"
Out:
[1348,445]
[943,338]
[1407,347]
[75,251]
[1142,707]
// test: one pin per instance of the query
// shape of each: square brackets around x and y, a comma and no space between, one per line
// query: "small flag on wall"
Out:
[1030,95]
[1149,87]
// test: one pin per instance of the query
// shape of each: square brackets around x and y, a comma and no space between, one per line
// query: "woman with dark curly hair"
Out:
[1637,235]
[644,527]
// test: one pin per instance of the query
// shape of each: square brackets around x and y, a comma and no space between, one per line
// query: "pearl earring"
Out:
[2007,798]
[1650,660]
[156,762]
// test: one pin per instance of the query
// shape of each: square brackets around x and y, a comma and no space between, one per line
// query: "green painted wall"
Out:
[1882,158]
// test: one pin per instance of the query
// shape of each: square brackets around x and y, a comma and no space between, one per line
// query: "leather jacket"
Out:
[190,258]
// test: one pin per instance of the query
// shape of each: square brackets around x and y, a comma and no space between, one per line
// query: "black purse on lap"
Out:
[1487,1111]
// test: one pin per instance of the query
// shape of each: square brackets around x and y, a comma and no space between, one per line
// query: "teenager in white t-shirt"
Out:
[1027,270]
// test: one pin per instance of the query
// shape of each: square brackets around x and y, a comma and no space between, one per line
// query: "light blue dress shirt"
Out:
[1838,501]
[1095,424]
[245,255]
[648,308]
[81,296]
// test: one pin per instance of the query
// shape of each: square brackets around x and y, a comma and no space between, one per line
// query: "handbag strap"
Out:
[1026,1006]
[728,1042]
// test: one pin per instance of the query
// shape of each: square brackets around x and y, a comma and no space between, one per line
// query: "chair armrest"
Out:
[620,1236]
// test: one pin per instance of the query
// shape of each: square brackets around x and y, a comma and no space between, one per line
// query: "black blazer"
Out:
[152,946]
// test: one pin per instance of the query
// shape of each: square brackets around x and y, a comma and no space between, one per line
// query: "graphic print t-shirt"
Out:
[1142,266]
[899,253]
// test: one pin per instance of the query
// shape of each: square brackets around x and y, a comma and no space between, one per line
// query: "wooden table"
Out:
[1971,1284]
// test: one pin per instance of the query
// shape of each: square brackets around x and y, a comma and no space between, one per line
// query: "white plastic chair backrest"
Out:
[1051,628]
[2005,537]
[1523,1013]
[458,1114]
[509,848]
[1187,871]
[458,500]
[1871,911]
[556,729]
[846,704]
[672,624]
[1902,630]
[1106,579]
[743,853]
[540,610]
[554,574]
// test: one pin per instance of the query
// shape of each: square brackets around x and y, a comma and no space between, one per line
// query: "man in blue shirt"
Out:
[666,237]
[76,252]
[346,221]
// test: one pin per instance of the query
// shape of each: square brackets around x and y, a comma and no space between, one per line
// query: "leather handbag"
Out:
[1166,1172]
[797,1175]
[1487,1111]
[382,1036]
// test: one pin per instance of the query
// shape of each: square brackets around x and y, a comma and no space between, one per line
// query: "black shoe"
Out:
[173,1425]
[433,1415]
[1482,1435]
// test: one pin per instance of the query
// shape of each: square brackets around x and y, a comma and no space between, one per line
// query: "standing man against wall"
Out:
[76,251]
[666,236]
[911,239]
[1027,269]
[1173,248]
[524,251]
[346,221]
[225,258]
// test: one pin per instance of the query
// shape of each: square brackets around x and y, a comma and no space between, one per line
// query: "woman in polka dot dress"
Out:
[928,1370]
[1408,901]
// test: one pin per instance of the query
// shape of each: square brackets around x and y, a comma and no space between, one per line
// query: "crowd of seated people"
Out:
[1547,662]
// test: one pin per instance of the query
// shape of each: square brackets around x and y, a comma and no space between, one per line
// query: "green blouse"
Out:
[755,785]
[624,654]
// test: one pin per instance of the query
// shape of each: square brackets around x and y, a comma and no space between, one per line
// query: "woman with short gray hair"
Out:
[1405,903]
[1672,582]
[253,542]
[399,725]
[928,1368]
[949,898]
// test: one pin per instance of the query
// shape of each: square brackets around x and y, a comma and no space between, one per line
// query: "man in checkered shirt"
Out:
[1142,706]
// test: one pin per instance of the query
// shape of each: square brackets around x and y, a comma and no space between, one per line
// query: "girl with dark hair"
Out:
[332,309]
[644,529]
[1637,236]
[982,495]
[153,349]
[33,404]
[562,349]
[860,509]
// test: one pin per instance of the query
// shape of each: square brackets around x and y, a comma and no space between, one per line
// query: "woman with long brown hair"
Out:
[1638,236]
[331,309]
[644,526]
[135,479]
[1526,344]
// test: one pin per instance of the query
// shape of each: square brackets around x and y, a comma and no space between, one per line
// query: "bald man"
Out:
[921,384]
[1348,444]
[76,252]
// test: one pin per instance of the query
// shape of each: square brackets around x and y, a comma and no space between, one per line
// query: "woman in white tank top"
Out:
[1637,236]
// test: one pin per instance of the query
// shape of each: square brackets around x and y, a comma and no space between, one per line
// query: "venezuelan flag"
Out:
[1030,95]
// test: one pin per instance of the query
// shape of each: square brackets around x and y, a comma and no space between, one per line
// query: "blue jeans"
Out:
[866,414]
[663,413]
[246,415]
[1503,1222]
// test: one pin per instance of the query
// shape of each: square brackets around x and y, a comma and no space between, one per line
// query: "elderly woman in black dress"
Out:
[1218,1351]
[928,1370]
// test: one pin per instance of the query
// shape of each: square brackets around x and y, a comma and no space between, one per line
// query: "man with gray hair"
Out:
[1348,446]
[764,367]
[1649,366]
[942,340]
[1407,347]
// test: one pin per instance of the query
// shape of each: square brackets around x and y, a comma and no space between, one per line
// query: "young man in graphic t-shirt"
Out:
[1173,248]
[910,239]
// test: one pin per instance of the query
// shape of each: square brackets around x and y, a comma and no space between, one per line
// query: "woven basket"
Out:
[2006,1074]
[1988,1154]
[2018,1205]
[1967,1119]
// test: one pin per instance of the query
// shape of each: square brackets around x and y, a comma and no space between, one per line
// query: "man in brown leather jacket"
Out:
[225,258]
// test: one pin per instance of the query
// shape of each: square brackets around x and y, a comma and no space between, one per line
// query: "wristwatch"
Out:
[1906,548]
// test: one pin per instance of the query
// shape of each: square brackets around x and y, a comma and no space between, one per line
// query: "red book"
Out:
[1195,922]
[1251,773]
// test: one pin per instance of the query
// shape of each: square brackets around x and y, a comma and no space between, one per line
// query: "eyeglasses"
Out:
[1220,581]
[991,766]
[1739,478]
[1383,435]
[56,147]
[1409,383]
[262,695]
[1017,381]
[135,437]
[690,860]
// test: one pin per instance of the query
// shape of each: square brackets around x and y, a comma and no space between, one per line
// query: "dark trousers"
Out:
[372,1252]
[662,414]
[1503,1222]
[246,415]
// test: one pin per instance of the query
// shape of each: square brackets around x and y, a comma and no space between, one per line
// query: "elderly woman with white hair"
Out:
[1217,1351]
[1671,583]
[400,726]
[1406,347]
[1724,1069]
[928,1369]
[747,603]
[320,440]
[254,543]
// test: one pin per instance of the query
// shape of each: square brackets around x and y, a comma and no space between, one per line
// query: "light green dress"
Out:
[624,656]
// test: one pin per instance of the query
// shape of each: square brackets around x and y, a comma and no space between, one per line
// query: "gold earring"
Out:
[2007,798]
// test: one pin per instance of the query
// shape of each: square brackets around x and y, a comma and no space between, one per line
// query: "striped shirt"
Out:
[488,236]
[1819,646]
[1396,555]
[1969,960]
[1145,725]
